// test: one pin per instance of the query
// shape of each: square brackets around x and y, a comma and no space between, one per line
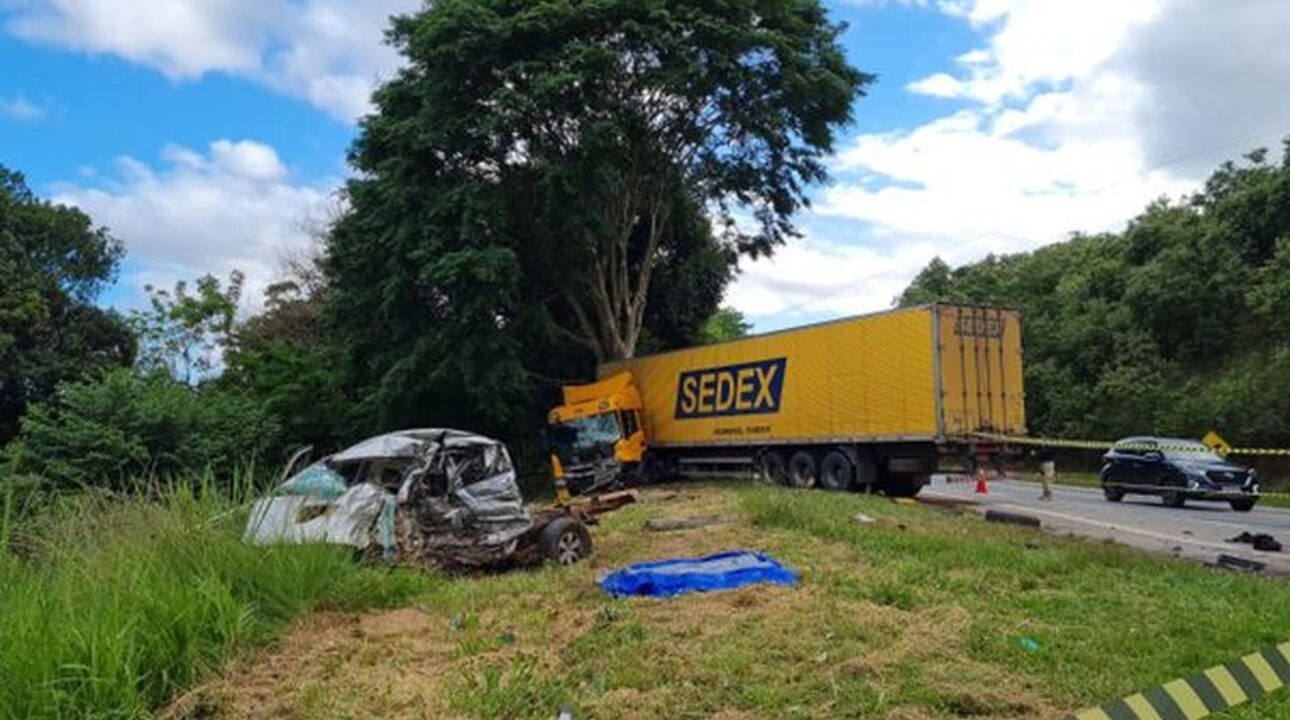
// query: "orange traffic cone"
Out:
[981,488]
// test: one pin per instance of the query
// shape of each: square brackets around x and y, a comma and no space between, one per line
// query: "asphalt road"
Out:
[1198,531]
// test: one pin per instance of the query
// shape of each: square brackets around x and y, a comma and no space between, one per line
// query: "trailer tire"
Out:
[803,470]
[771,468]
[904,486]
[837,471]
[565,541]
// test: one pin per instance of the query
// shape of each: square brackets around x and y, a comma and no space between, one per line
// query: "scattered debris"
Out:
[1025,642]
[948,503]
[723,571]
[1232,562]
[1260,541]
[682,523]
[566,713]
[863,519]
[1011,518]
[433,496]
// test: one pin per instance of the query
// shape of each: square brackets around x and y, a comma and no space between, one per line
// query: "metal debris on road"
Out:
[1261,541]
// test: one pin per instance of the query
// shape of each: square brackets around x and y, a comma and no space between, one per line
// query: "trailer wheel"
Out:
[771,469]
[803,471]
[565,541]
[836,471]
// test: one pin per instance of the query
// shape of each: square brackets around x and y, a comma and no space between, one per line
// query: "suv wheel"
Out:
[1113,494]
[1173,499]
[1244,504]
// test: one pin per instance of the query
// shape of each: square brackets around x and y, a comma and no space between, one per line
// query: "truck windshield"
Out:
[586,432]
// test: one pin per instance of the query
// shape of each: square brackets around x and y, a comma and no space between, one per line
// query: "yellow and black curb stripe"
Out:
[1215,689]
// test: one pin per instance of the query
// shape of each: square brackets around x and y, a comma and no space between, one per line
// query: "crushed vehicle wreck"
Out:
[433,496]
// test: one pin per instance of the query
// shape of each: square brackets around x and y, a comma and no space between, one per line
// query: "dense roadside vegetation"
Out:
[110,605]
[1177,325]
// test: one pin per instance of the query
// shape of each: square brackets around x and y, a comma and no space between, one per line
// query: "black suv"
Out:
[1176,470]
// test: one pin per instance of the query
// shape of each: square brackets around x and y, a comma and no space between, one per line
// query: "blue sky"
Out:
[210,135]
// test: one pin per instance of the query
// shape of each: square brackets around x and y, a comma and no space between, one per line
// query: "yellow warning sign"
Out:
[1216,442]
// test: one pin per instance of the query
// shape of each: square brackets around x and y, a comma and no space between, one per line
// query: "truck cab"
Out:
[596,436]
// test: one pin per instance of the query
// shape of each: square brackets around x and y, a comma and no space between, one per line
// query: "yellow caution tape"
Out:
[1207,692]
[1104,445]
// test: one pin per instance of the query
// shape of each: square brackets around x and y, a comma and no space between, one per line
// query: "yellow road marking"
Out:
[1226,685]
[1187,700]
[1266,676]
[1138,704]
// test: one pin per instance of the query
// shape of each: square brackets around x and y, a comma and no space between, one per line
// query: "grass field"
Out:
[921,614]
[110,608]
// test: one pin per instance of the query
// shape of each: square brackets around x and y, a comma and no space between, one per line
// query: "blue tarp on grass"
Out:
[723,571]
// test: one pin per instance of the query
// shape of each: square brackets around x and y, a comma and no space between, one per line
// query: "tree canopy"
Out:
[549,183]
[1176,325]
[53,263]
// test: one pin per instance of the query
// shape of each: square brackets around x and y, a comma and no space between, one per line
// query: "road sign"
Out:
[1216,442]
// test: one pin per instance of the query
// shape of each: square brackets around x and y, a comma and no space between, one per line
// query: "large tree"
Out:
[538,168]
[53,263]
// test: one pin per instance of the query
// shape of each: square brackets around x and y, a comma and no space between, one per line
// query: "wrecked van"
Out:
[433,496]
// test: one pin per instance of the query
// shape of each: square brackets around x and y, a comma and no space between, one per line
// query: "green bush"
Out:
[109,431]
[114,607]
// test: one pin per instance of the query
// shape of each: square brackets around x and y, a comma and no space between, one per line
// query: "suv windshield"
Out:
[585,433]
[1190,452]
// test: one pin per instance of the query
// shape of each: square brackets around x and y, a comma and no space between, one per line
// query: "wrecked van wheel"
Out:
[770,468]
[836,471]
[565,541]
[803,472]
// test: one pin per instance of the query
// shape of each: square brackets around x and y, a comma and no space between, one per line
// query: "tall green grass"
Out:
[109,607]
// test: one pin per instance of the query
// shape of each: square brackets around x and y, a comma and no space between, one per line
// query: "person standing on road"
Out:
[1047,472]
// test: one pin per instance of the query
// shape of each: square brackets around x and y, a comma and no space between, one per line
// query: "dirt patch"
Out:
[387,664]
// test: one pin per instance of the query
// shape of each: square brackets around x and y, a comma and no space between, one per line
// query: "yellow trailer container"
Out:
[888,393]
[924,373]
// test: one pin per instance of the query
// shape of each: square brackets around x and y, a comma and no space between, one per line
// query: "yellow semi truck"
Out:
[873,403]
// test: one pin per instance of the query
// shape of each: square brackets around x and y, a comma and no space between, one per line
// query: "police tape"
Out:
[1105,445]
[1206,692]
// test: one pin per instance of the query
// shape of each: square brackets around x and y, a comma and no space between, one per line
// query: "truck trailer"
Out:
[871,403]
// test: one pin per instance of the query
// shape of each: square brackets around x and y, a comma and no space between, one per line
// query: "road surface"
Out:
[1198,531]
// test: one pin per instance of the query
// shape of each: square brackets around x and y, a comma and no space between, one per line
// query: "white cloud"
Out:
[21,109]
[329,52]
[230,207]
[812,276]
[1077,115]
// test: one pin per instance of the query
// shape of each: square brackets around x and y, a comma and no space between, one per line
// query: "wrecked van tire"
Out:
[565,541]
